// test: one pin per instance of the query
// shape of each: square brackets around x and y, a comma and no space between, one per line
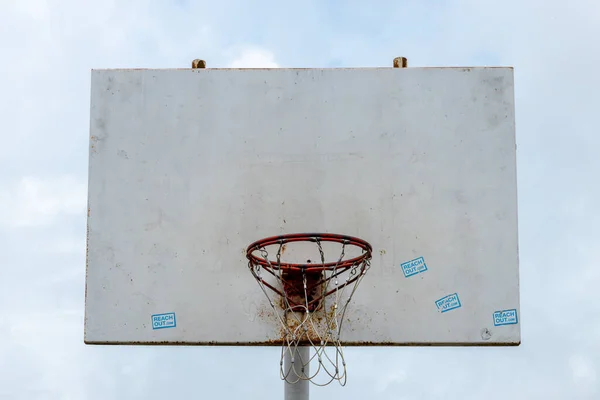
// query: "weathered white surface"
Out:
[188,167]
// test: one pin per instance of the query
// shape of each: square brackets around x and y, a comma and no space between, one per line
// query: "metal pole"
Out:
[300,389]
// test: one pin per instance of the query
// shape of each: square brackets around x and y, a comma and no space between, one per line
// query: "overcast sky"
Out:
[48,48]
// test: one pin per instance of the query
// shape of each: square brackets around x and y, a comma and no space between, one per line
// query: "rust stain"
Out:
[321,320]
[400,62]
[320,69]
[278,342]
[197,63]
[87,247]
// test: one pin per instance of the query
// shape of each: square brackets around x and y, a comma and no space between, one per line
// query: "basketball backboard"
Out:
[190,166]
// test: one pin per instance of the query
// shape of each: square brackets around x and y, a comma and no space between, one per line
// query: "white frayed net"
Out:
[311,308]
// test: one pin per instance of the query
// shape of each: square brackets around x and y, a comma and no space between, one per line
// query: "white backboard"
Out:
[188,167]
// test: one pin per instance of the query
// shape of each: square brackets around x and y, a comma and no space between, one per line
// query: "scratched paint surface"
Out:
[188,167]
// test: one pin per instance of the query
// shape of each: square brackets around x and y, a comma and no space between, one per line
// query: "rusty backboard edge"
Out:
[200,70]
[87,221]
[279,343]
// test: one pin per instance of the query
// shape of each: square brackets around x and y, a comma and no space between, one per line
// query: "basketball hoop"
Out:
[313,297]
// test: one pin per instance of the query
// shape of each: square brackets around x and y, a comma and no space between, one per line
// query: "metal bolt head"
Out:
[400,62]
[197,63]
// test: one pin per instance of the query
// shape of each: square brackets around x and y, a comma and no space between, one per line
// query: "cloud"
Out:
[255,58]
[36,202]
[392,377]
[583,373]
[49,352]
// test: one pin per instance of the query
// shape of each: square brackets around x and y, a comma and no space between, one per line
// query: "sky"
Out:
[48,50]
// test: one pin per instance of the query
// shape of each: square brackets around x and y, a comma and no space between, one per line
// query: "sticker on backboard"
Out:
[413,267]
[447,303]
[162,321]
[505,317]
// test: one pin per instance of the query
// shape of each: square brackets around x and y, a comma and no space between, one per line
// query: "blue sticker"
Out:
[161,321]
[505,317]
[448,303]
[414,267]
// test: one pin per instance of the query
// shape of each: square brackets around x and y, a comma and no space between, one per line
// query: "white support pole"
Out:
[300,389]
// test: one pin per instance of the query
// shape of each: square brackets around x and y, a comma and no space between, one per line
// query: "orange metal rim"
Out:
[308,237]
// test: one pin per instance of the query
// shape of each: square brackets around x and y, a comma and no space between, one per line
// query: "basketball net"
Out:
[312,303]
